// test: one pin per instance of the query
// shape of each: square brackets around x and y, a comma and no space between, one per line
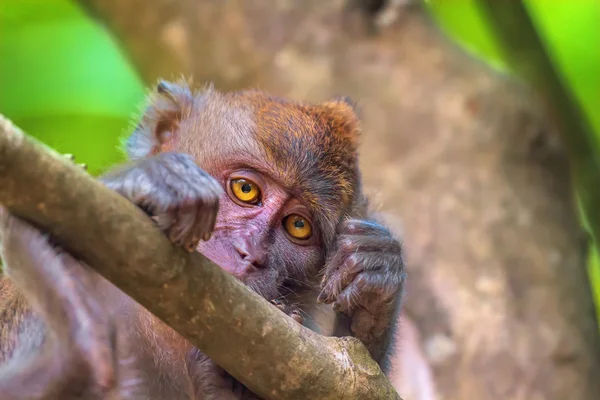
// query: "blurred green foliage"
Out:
[570,29]
[571,34]
[64,80]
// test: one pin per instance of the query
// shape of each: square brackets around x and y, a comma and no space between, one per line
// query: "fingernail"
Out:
[324,298]
[206,236]
[298,318]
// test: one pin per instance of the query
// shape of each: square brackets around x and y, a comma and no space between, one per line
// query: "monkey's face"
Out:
[264,235]
[289,171]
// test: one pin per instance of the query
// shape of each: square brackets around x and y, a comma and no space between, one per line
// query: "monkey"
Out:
[267,188]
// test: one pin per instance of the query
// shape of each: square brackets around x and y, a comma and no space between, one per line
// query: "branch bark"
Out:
[257,344]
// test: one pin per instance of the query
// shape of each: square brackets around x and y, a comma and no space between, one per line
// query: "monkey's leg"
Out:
[75,357]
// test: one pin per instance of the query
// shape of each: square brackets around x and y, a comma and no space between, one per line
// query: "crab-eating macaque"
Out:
[266,188]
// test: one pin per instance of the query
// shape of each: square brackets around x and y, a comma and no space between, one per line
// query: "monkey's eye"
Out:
[297,227]
[245,190]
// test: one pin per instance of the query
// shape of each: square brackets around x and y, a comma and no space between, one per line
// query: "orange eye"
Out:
[297,227]
[245,190]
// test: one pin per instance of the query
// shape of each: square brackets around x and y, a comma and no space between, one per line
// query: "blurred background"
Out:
[481,136]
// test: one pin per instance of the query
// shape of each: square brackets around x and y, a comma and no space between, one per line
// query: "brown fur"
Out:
[13,311]
[310,151]
[313,148]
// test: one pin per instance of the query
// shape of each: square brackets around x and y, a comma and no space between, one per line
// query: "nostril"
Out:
[256,264]
[254,256]
[243,253]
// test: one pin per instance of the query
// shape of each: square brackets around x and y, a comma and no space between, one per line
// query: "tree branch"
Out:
[257,344]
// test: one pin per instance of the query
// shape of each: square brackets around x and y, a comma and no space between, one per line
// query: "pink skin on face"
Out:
[246,235]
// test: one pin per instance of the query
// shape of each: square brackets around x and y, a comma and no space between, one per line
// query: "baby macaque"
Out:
[267,188]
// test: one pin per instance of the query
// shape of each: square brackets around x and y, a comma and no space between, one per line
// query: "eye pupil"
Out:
[246,187]
[297,227]
[245,191]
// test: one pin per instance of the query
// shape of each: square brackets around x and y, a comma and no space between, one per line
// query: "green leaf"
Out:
[65,80]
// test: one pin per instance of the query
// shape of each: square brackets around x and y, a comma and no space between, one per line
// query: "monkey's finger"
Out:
[296,316]
[165,221]
[349,299]
[205,217]
[182,231]
[187,229]
[290,310]
[332,267]
[213,218]
[369,290]
[279,304]
[355,253]
[364,227]
[331,289]
[355,263]
[349,244]
[199,228]
[341,277]
[195,231]
[176,233]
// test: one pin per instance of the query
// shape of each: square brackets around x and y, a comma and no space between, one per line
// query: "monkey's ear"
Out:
[348,102]
[340,115]
[158,129]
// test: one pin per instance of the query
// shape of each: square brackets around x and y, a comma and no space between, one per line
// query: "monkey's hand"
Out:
[181,197]
[77,358]
[364,278]
[289,309]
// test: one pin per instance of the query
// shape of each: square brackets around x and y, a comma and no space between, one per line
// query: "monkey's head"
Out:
[289,170]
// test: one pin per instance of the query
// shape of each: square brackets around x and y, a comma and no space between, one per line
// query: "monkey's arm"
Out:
[364,279]
[66,350]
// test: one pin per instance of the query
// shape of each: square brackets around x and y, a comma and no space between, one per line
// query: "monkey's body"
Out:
[275,183]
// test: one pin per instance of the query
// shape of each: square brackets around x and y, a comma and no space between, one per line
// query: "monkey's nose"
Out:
[255,256]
